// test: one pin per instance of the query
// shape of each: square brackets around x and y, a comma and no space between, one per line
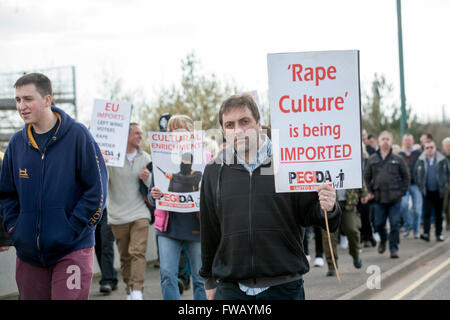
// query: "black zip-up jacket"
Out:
[250,233]
[388,179]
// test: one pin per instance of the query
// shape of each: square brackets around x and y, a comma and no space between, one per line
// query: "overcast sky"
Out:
[143,41]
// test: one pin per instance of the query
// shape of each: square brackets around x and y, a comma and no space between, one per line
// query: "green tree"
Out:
[379,115]
[199,97]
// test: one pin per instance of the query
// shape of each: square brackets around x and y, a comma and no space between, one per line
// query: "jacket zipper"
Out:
[250,229]
[40,201]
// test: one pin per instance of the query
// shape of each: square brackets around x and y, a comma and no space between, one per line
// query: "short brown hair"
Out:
[243,100]
[42,83]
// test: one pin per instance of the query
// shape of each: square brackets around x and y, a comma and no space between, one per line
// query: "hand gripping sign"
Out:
[315,114]
[110,124]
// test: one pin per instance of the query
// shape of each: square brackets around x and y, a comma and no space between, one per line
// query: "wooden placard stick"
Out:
[331,247]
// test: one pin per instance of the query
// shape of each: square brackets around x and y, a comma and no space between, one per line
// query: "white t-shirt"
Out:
[130,157]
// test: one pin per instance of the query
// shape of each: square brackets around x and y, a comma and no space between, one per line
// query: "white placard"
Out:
[179,183]
[316,119]
[110,124]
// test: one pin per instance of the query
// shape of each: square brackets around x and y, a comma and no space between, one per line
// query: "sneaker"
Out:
[357,262]
[440,238]
[318,262]
[344,242]
[308,257]
[416,236]
[377,237]
[106,288]
[136,295]
[394,255]
[425,237]
[382,247]
[331,273]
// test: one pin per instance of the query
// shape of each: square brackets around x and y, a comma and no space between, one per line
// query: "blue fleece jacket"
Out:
[52,199]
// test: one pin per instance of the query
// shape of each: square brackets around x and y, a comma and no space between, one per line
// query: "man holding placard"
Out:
[251,236]
[128,214]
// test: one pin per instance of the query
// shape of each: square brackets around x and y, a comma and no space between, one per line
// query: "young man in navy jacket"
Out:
[52,191]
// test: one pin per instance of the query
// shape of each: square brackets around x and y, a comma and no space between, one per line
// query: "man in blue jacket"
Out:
[52,191]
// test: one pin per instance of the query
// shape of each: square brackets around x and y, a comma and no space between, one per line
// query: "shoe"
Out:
[106,288]
[425,237]
[394,255]
[376,236]
[357,262]
[382,247]
[344,242]
[331,273]
[156,265]
[308,257]
[187,283]
[318,262]
[416,236]
[440,238]
[180,286]
[406,234]
[136,295]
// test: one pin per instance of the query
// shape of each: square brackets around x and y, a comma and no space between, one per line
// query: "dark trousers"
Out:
[288,291]
[383,211]
[430,201]
[104,250]
[366,221]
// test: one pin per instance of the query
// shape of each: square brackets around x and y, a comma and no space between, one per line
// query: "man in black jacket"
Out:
[387,180]
[251,236]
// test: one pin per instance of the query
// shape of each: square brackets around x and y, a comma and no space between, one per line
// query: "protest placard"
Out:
[179,159]
[314,100]
[110,124]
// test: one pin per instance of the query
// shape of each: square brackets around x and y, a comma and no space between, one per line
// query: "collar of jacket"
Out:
[387,156]
[228,157]
[65,123]
[30,134]
[439,156]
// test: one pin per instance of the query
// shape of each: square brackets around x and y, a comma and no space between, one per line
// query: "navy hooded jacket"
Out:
[52,199]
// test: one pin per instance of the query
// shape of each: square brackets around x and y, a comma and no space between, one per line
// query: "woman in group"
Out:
[182,230]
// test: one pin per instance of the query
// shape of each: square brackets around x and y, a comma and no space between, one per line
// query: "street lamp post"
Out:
[403,126]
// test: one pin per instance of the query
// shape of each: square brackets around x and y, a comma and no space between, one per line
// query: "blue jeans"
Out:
[169,257]
[417,202]
[382,211]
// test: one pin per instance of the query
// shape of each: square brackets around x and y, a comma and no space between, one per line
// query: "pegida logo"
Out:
[23,173]
[309,177]
[177,201]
